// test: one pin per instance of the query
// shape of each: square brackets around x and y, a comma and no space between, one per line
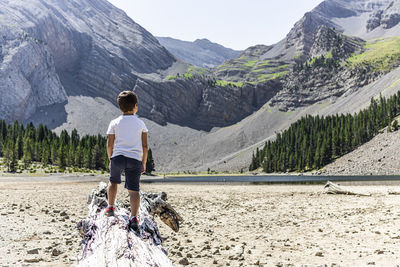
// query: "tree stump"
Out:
[107,241]
[336,189]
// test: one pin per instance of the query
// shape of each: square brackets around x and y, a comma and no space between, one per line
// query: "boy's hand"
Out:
[143,168]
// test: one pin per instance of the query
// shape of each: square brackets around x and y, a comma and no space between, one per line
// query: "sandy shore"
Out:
[225,225]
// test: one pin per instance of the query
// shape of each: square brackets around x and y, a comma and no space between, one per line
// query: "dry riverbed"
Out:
[225,225]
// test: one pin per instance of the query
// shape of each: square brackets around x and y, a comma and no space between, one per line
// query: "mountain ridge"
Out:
[201,52]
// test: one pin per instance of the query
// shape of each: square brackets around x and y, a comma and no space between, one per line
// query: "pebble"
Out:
[319,254]
[33,251]
[56,252]
[184,261]
[33,260]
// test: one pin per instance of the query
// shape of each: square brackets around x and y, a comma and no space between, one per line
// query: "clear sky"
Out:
[236,24]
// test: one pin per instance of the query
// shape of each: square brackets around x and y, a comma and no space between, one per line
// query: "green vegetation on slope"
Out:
[313,141]
[249,71]
[190,73]
[380,55]
[228,83]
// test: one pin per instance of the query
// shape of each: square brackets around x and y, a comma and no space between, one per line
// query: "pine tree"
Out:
[27,157]
[97,160]
[19,147]
[87,158]
[53,151]
[10,156]
[71,156]
[45,153]
[78,157]
[61,157]
[252,166]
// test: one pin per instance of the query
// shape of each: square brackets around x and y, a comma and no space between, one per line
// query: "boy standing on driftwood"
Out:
[127,151]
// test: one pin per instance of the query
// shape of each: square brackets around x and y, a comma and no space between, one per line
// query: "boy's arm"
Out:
[145,147]
[110,144]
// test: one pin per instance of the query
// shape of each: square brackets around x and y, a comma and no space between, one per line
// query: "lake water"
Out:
[207,179]
[269,179]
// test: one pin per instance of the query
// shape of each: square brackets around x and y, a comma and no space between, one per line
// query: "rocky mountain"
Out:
[81,47]
[91,48]
[314,70]
[28,75]
[62,63]
[201,52]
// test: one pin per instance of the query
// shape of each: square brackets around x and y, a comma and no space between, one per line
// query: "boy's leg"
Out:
[112,193]
[132,175]
[115,179]
[134,199]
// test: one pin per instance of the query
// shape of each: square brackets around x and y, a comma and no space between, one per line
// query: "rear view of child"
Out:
[127,151]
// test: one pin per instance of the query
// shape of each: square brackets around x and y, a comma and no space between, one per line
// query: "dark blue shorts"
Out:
[132,168]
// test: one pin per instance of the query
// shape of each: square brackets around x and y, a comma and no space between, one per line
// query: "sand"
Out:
[225,224]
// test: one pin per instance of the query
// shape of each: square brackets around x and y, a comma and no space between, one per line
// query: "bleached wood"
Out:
[332,188]
[107,240]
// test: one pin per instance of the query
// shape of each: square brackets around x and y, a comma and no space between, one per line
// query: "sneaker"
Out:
[110,211]
[133,224]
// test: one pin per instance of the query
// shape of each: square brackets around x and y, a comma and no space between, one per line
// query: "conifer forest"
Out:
[315,141]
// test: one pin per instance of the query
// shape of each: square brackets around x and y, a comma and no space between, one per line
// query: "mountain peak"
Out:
[201,52]
[202,40]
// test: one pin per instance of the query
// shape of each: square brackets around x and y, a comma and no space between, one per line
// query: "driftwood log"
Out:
[332,188]
[107,241]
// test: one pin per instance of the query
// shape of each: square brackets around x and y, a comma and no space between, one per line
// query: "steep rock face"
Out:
[386,18]
[301,36]
[90,46]
[325,75]
[339,46]
[27,74]
[201,52]
[336,9]
[199,104]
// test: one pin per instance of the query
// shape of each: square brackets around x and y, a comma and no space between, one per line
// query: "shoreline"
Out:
[213,180]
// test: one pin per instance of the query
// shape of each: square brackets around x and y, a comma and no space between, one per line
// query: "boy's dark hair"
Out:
[127,100]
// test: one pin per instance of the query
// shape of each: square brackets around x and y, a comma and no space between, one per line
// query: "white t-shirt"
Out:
[128,136]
